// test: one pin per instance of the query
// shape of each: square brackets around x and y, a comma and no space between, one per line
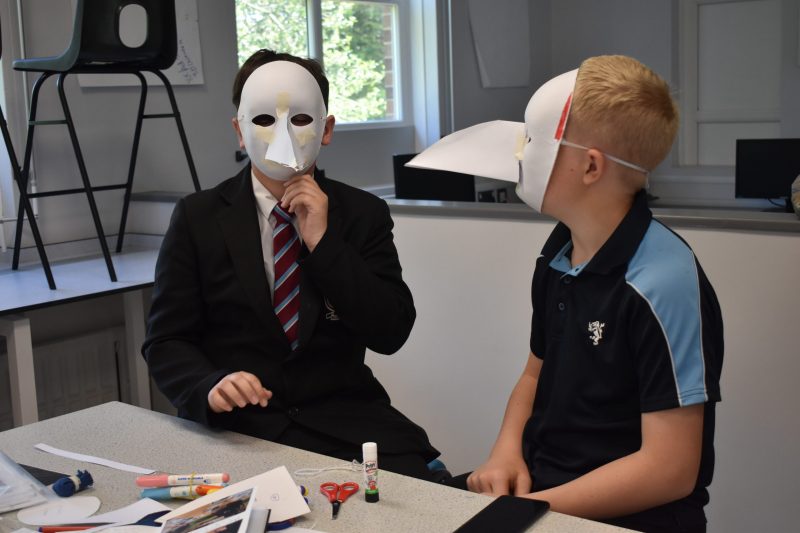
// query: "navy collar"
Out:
[617,250]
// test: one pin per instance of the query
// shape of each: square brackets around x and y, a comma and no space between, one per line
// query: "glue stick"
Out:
[370,462]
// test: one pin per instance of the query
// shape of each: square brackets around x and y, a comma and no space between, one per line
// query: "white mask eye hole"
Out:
[264,120]
[302,119]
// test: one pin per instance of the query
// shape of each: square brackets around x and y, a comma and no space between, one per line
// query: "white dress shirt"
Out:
[266,202]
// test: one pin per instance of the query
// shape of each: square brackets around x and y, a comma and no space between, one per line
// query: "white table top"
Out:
[144,438]
[26,288]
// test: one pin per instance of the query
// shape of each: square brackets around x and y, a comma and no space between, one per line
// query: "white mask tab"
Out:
[282,119]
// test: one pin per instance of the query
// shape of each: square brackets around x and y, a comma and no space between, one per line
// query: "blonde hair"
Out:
[627,107]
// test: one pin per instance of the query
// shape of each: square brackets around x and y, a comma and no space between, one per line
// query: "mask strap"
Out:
[611,157]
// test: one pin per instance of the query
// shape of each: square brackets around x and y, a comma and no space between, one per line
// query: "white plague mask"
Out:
[277,101]
[545,122]
[511,151]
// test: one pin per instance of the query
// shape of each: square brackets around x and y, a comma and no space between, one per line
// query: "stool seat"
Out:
[96,47]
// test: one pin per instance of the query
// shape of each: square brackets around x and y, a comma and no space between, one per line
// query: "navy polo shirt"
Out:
[636,329]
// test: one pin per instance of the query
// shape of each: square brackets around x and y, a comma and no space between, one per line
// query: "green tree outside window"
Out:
[357,42]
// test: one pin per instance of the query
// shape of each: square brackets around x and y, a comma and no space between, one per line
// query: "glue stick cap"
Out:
[370,451]
[371,496]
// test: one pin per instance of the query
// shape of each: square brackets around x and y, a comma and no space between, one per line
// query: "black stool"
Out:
[96,48]
[24,202]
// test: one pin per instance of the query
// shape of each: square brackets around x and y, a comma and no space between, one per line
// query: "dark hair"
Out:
[264,56]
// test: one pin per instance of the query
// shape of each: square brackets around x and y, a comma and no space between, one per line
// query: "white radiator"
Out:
[72,374]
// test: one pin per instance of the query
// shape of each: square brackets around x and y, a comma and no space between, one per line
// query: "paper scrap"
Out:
[486,150]
[276,489]
[92,459]
[60,511]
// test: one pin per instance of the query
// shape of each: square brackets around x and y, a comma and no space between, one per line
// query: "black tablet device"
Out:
[506,514]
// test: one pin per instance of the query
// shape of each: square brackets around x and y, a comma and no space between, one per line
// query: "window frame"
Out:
[688,154]
[403,52]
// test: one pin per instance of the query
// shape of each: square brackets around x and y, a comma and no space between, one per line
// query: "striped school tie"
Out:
[286,249]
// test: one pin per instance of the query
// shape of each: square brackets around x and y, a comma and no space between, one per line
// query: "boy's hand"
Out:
[304,198]
[237,390]
[508,475]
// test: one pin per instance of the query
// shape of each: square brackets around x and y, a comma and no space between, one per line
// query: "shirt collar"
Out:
[265,200]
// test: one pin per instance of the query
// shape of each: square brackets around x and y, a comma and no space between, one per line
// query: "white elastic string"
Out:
[354,466]
[611,157]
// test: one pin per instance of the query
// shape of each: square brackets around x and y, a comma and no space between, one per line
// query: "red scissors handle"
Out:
[337,494]
[330,490]
[347,489]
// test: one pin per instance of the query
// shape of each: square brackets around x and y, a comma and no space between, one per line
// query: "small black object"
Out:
[371,496]
[45,477]
[507,514]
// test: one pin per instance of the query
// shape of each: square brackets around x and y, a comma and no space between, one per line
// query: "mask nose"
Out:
[281,149]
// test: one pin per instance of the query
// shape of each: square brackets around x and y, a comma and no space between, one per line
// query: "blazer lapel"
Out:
[310,298]
[240,229]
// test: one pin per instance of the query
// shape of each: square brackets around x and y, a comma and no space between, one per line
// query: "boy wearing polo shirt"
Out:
[613,416]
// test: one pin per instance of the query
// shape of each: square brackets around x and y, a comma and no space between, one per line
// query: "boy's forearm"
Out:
[518,411]
[628,485]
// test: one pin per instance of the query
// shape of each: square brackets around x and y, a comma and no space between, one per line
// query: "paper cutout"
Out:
[486,149]
[60,511]
[92,459]
[276,489]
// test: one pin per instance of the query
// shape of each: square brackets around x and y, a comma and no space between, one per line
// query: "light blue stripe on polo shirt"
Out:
[664,272]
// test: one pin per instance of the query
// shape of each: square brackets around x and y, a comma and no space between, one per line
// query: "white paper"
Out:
[128,514]
[276,490]
[501,34]
[61,511]
[486,149]
[92,459]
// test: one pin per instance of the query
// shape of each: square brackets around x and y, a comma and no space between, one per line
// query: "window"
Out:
[358,45]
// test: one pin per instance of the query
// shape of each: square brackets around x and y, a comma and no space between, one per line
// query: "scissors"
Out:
[337,494]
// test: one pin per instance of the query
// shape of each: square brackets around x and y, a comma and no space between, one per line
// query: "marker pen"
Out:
[166,480]
[370,462]
[167,493]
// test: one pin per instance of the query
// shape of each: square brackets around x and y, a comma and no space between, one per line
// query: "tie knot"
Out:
[282,215]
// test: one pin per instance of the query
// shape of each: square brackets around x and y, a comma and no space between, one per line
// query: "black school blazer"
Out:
[211,315]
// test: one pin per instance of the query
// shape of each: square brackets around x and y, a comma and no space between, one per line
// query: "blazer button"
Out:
[294,411]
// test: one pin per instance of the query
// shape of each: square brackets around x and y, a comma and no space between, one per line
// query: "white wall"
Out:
[471,284]
[472,103]
[648,31]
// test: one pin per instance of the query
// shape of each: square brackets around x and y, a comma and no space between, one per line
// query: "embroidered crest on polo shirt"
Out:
[331,314]
[596,330]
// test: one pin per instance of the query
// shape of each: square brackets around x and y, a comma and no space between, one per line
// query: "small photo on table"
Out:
[224,515]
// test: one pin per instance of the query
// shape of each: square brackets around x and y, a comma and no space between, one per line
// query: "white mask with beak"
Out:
[282,116]
[545,122]
[488,149]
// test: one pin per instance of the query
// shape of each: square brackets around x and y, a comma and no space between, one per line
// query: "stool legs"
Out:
[179,122]
[21,177]
[132,167]
[85,177]
[26,205]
